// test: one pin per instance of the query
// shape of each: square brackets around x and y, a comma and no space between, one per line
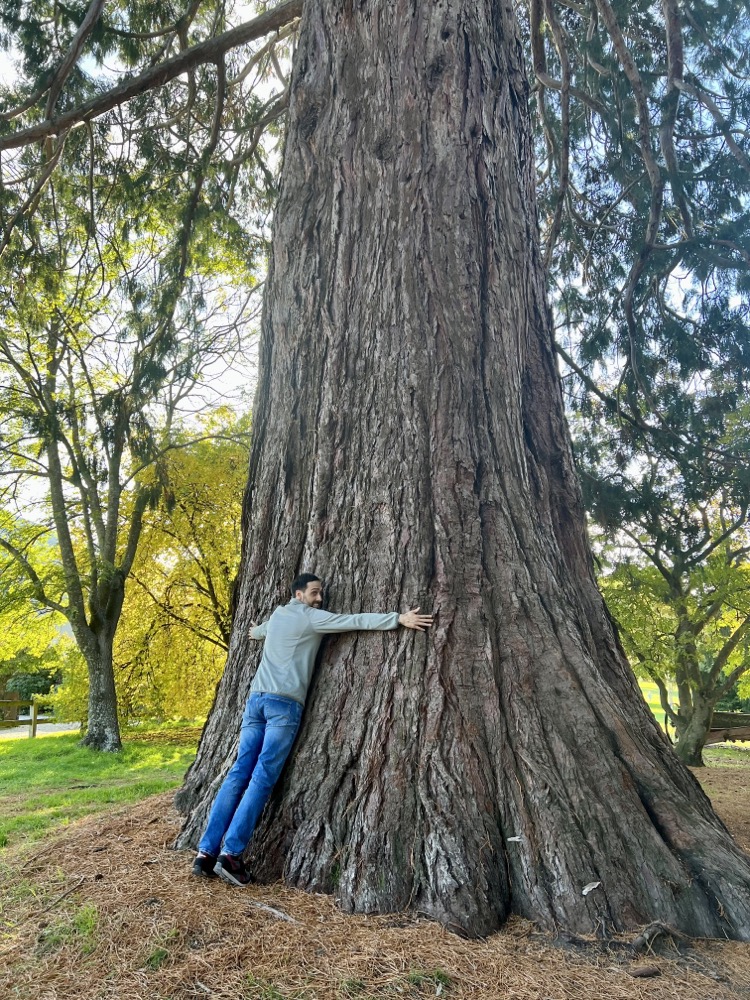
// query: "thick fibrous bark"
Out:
[410,447]
[692,733]
[102,726]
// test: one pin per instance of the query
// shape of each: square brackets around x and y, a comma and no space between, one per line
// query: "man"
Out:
[272,717]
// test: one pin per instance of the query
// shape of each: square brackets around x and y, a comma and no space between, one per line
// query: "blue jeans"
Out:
[269,725]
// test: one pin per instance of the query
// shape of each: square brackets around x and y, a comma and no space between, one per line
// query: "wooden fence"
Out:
[32,722]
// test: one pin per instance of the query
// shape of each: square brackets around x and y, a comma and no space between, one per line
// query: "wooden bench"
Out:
[729,726]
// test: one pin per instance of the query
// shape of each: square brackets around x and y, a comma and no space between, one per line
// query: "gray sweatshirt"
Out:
[293,635]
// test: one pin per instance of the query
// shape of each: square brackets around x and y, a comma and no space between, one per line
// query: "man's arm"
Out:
[325,621]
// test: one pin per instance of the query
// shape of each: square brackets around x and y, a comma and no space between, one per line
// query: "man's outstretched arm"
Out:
[325,621]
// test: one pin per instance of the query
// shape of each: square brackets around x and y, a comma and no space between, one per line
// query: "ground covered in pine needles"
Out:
[106,910]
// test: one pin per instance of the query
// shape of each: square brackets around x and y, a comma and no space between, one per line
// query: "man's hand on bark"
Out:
[413,619]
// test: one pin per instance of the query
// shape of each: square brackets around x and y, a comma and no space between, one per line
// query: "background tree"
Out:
[409,445]
[95,385]
[684,616]
[33,644]
[645,176]
[644,183]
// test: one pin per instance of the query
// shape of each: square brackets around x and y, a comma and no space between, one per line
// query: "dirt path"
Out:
[106,911]
[728,787]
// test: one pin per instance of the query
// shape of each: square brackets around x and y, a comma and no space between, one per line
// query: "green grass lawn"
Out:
[650,692]
[51,780]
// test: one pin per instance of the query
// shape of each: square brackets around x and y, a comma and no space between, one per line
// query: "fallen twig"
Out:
[46,909]
[274,912]
[651,932]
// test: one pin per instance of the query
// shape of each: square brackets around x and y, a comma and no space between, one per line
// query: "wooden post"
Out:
[34,714]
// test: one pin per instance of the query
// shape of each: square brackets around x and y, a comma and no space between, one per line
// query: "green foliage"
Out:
[172,644]
[174,632]
[732,701]
[70,698]
[31,640]
[645,199]
[106,339]
[682,606]
[649,614]
[156,958]
[645,196]
[434,978]
[37,682]
[127,278]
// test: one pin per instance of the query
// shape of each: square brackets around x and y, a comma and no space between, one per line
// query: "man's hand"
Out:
[413,619]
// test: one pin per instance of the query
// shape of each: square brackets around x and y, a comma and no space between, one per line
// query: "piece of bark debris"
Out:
[278,914]
[644,971]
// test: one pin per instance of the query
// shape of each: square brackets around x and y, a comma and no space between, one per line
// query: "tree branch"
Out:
[39,592]
[709,103]
[71,57]
[210,51]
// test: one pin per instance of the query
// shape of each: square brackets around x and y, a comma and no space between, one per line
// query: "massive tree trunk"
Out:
[410,447]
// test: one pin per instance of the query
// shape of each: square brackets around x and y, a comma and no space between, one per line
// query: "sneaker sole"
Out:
[228,877]
[211,876]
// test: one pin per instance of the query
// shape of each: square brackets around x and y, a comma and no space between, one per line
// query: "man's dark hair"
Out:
[301,582]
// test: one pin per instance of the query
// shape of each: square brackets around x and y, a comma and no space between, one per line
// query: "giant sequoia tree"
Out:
[410,445]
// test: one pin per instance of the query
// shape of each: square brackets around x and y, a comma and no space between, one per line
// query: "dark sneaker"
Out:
[204,865]
[233,870]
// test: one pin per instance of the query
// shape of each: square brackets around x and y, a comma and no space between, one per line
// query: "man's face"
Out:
[312,595]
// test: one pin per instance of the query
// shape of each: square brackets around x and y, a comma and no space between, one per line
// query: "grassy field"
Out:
[51,780]
[650,692]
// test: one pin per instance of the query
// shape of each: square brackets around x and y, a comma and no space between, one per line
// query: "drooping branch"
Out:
[72,55]
[49,168]
[189,624]
[675,65]
[701,95]
[726,651]
[210,51]
[36,582]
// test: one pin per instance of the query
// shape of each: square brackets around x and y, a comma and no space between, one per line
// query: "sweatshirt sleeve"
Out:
[259,632]
[324,621]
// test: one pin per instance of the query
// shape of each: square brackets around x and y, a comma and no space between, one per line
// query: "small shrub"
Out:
[261,989]
[78,927]
[157,958]
[435,979]
[353,987]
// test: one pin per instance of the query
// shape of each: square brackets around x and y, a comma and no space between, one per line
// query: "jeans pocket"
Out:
[282,712]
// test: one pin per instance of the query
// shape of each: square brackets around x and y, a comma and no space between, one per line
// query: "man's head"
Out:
[308,589]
